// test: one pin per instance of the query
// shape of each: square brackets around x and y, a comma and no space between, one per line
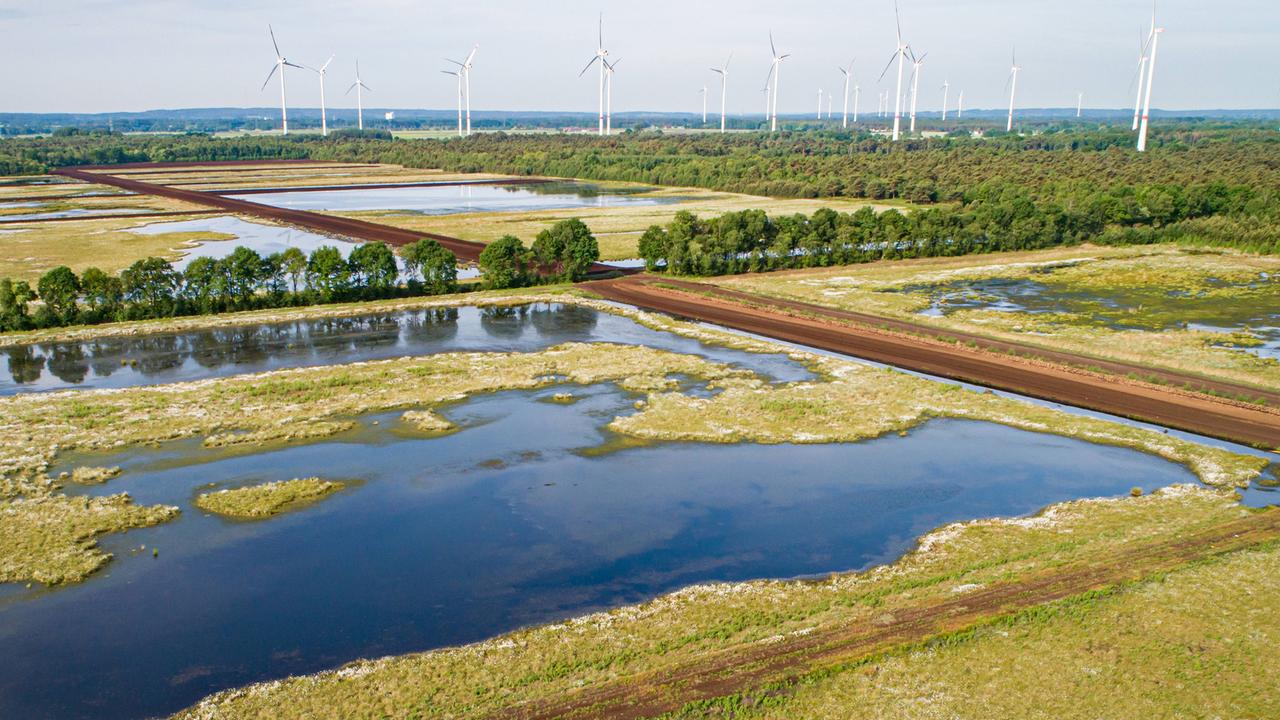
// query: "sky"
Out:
[130,55]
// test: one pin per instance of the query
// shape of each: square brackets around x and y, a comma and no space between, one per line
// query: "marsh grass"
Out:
[257,502]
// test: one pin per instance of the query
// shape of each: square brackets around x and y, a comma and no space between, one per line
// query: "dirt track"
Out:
[747,668]
[827,330]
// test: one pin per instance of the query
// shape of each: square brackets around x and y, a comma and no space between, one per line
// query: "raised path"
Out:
[909,347]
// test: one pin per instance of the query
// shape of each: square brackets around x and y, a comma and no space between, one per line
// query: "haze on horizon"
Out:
[131,55]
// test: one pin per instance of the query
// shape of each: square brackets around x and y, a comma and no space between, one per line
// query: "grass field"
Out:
[1158,281]
[617,229]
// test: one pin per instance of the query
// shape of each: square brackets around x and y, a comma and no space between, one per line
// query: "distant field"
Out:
[618,229]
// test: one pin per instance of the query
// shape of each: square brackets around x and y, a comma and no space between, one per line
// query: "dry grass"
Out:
[263,501]
[876,288]
[617,229]
[107,244]
[1194,607]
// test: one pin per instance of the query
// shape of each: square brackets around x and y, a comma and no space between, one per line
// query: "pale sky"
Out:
[117,55]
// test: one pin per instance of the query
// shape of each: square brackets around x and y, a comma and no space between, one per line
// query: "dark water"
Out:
[1153,308]
[456,539]
[452,200]
[168,358]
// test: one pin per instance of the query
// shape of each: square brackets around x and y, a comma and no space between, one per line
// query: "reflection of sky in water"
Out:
[167,358]
[265,239]
[501,525]
[450,200]
[1119,309]
[74,212]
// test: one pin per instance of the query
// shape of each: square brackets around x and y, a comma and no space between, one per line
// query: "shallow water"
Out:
[74,212]
[265,239]
[451,540]
[452,200]
[167,358]
[1118,309]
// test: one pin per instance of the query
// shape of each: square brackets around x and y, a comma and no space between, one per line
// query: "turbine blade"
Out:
[897,17]
[472,56]
[294,65]
[887,66]
[726,62]
[773,48]
[601,45]
[325,66]
[273,40]
[588,67]
[366,87]
[353,87]
[270,75]
[922,57]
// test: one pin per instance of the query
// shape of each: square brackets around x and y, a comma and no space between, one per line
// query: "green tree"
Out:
[567,248]
[150,286]
[327,273]
[436,266]
[294,263]
[14,298]
[244,272]
[103,293]
[60,289]
[505,264]
[373,269]
[201,283]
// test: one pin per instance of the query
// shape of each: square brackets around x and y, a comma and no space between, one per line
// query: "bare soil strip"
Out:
[368,186]
[817,327]
[776,665]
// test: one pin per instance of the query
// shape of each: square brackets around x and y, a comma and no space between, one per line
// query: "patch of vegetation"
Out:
[257,502]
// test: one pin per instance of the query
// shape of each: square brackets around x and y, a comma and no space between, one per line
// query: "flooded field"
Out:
[460,199]
[507,523]
[1121,308]
[168,358]
[263,238]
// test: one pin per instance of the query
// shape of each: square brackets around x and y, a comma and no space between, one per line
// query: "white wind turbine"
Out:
[848,78]
[819,103]
[601,57]
[916,64]
[960,105]
[1079,104]
[281,64]
[723,72]
[359,87]
[324,116]
[465,69]
[901,56]
[703,93]
[608,111]
[946,96]
[1141,77]
[1012,84]
[774,73]
[457,74]
[1156,32]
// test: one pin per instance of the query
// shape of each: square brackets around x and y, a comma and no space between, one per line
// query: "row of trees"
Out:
[153,288]
[564,252]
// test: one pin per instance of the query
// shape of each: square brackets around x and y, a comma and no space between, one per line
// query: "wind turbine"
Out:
[774,73]
[901,56]
[457,74]
[960,105]
[848,78]
[601,57]
[1079,104]
[703,93]
[608,113]
[1156,32]
[819,103]
[916,64]
[723,72]
[359,87]
[281,64]
[1012,84]
[1142,72]
[465,69]
[946,95]
[324,117]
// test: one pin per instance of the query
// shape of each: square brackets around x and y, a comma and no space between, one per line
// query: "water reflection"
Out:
[153,359]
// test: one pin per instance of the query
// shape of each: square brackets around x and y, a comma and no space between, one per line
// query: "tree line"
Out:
[244,280]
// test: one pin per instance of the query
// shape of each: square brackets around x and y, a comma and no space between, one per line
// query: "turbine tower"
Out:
[608,110]
[1156,32]
[703,93]
[848,78]
[465,69]
[359,87]
[946,95]
[819,103]
[601,57]
[281,64]
[457,74]
[916,64]
[324,116]
[960,105]
[774,72]
[1012,84]
[1079,104]
[1141,78]
[723,72]
[901,56]
[857,97]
